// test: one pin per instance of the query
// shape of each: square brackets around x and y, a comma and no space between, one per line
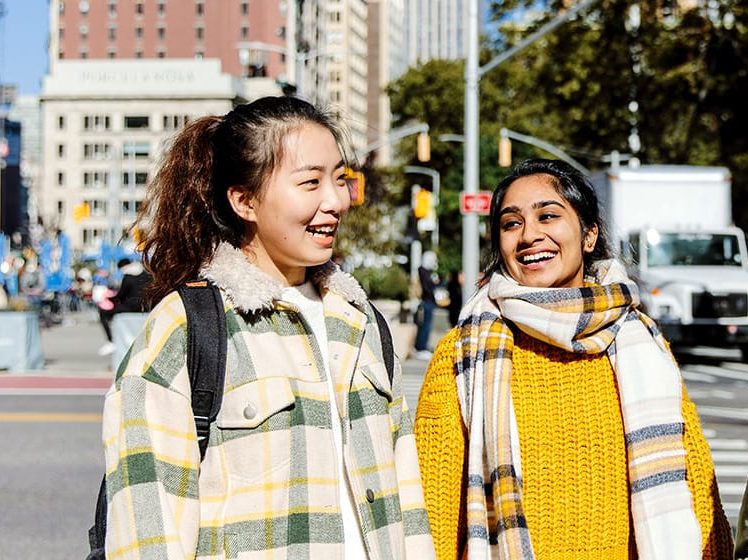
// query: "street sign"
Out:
[476,203]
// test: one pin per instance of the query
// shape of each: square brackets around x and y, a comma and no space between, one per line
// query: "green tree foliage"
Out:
[683,64]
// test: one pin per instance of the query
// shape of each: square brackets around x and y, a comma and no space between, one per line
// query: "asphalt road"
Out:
[51,461]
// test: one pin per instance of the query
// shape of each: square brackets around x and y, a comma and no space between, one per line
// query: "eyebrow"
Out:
[341,163]
[536,206]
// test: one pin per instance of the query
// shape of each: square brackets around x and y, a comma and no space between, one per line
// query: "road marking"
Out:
[75,417]
[740,471]
[711,393]
[47,392]
[718,412]
[704,369]
[724,444]
[731,457]
[693,376]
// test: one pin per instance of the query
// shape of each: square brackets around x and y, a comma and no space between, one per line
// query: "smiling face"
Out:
[541,240]
[293,221]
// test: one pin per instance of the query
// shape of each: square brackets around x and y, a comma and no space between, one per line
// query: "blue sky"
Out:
[23,44]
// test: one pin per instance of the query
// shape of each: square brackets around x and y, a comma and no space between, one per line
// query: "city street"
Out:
[52,463]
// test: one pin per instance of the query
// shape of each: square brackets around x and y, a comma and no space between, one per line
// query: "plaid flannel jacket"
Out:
[267,487]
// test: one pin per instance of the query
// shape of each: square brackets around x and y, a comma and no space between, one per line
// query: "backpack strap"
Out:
[388,351]
[206,353]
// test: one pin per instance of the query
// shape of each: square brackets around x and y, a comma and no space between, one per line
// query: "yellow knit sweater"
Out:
[573,457]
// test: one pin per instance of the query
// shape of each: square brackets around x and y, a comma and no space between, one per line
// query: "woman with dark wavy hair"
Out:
[312,454]
[553,421]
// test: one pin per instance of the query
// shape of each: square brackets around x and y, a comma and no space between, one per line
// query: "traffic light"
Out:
[423,150]
[421,203]
[505,151]
[81,211]
[356,185]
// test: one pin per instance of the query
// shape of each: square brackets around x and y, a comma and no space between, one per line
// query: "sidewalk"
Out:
[70,349]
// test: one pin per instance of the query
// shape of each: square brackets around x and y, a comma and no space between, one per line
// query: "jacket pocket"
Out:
[255,431]
[251,404]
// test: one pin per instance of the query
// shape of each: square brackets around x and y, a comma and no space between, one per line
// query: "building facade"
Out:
[435,29]
[106,123]
[200,29]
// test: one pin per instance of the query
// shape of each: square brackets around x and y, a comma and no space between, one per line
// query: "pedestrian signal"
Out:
[356,186]
[422,203]
[423,150]
[81,211]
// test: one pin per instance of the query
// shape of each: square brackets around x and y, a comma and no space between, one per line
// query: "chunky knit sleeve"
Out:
[716,535]
[441,441]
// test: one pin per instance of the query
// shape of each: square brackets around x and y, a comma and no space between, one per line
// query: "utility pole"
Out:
[473,74]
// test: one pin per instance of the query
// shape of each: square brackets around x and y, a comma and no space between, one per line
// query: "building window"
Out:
[112,32]
[139,32]
[335,16]
[111,53]
[139,8]
[138,54]
[245,8]
[96,122]
[199,32]
[112,8]
[160,54]
[97,207]
[199,8]
[199,55]
[161,8]
[60,55]
[161,33]
[175,122]
[83,6]
[60,207]
[83,54]
[61,33]
[83,29]
[61,7]
[137,178]
[136,121]
[137,150]
[60,179]
[96,151]
[61,122]
[244,32]
[95,179]
[60,150]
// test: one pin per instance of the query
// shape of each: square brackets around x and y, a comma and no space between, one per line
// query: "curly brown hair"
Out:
[187,212]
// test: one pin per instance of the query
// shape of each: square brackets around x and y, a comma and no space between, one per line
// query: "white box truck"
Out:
[672,225]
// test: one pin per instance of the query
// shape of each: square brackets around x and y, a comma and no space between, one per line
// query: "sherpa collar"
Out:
[251,289]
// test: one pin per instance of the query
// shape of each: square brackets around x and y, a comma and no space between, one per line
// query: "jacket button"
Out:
[370,495]
[250,412]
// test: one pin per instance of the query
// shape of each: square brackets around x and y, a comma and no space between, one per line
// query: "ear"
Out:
[590,239]
[241,203]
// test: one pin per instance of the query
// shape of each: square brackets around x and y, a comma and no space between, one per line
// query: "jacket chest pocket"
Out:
[255,427]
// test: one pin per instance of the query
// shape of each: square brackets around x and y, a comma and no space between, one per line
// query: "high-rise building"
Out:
[435,29]
[117,29]
[386,62]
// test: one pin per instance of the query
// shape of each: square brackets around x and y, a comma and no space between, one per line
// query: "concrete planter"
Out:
[20,341]
[403,334]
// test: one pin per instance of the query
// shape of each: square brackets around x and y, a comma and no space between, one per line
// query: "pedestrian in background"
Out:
[454,288]
[556,377]
[129,298]
[312,454]
[428,281]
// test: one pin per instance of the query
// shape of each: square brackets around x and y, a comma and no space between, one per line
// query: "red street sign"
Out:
[476,203]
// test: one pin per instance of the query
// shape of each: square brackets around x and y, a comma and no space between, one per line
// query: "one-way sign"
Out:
[475,203]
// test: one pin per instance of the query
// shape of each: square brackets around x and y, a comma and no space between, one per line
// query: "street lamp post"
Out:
[473,74]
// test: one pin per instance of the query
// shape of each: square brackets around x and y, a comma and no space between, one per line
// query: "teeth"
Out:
[322,230]
[527,259]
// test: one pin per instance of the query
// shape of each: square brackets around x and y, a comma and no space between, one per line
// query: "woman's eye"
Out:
[310,182]
[547,216]
[509,224]
[341,180]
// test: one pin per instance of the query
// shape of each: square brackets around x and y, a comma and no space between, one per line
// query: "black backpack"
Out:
[206,364]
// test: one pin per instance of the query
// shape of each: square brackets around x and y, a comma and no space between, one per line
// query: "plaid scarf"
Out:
[596,318]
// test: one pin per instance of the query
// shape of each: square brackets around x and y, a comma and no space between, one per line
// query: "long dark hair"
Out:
[573,186]
[187,212]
